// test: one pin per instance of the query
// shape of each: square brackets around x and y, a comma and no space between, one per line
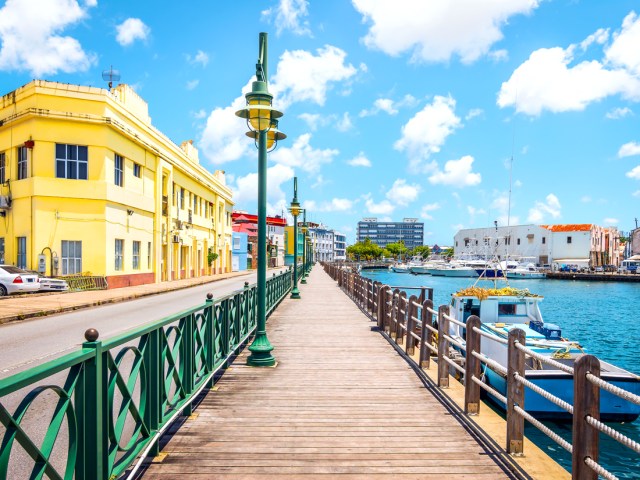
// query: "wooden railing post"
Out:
[586,402]
[412,312]
[515,392]
[382,304]
[426,335]
[443,347]
[393,317]
[401,318]
[473,367]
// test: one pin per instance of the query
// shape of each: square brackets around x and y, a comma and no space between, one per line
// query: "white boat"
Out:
[458,271]
[526,271]
[501,310]
[400,268]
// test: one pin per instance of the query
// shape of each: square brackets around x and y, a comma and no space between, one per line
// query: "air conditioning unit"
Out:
[175,238]
[179,225]
[5,202]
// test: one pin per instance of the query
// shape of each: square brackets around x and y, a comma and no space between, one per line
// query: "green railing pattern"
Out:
[119,395]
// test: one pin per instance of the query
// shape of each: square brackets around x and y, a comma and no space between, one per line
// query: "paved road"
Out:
[32,342]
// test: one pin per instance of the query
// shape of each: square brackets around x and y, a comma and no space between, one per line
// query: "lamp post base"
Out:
[295,293]
[261,352]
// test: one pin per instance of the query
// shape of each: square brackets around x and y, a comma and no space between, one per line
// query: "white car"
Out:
[53,285]
[16,280]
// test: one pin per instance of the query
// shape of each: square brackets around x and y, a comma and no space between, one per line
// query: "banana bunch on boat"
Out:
[483,293]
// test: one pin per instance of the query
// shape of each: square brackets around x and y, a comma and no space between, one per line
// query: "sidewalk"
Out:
[16,308]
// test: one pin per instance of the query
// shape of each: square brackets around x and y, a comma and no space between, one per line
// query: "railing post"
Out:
[473,367]
[91,409]
[153,369]
[443,347]
[515,392]
[393,313]
[382,302]
[186,358]
[426,335]
[586,402]
[209,333]
[401,317]
[412,312]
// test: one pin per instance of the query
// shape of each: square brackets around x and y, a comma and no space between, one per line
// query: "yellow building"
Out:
[87,184]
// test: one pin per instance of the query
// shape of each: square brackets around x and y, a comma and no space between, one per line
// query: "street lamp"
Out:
[304,248]
[262,121]
[295,210]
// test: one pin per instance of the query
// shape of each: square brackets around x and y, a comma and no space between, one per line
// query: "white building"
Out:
[585,245]
[322,240]
[339,246]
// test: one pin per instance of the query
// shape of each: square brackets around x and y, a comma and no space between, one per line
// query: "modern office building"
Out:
[410,231]
[88,184]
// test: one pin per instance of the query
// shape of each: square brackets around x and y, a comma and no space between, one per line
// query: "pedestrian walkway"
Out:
[20,307]
[341,403]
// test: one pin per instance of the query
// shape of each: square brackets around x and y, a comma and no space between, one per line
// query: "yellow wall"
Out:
[47,210]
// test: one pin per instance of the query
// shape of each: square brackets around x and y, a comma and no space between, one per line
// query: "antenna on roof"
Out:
[110,75]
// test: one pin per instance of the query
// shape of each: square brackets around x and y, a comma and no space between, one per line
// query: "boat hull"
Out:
[489,273]
[526,275]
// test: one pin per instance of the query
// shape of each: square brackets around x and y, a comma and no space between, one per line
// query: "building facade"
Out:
[289,246]
[323,243]
[88,182]
[410,231]
[248,223]
[239,251]
[339,246]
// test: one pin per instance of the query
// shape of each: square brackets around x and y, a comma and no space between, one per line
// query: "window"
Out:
[21,260]
[149,255]
[2,250]
[118,171]
[135,255]
[119,253]
[71,257]
[544,240]
[3,169]
[137,170]
[22,163]
[236,243]
[568,239]
[195,204]
[181,198]
[518,242]
[71,161]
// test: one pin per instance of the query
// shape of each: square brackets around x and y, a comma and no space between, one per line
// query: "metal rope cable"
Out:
[596,467]
[613,389]
[489,389]
[543,393]
[617,436]
[503,341]
[544,359]
[546,430]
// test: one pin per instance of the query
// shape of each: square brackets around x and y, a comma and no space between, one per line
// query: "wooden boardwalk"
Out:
[341,403]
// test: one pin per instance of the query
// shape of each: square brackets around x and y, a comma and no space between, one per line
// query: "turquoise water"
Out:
[602,316]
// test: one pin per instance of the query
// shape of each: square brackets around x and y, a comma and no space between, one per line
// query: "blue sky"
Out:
[393,109]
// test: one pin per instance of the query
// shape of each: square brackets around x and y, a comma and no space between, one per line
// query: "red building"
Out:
[248,223]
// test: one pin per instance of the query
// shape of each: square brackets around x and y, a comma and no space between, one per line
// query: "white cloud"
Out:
[611,221]
[301,154]
[289,15]
[191,84]
[547,81]
[474,112]
[617,113]
[517,183]
[473,211]
[304,77]
[635,173]
[499,55]
[629,149]
[457,173]
[600,37]
[245,191]
[359,161]
[30,35]
[540,210]
[636,193]
[430,207]
[586,199]
[313,120]
[435,31]
[335,205]
[427,131]
[383,208]
[130,30]
[402,193]
[389,106]
[344,123]
[200,57]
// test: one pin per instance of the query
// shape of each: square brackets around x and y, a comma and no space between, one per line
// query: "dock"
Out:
[341,401]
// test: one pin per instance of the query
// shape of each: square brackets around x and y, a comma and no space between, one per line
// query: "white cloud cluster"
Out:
[611,221]
[359,161]
[618,113]
[302,155]
[457,173]
[130,30]
[289,15]
[550,207]
[634,173]
[385,207]
[402,193]
[30,34]
[435,31]
[426,132]
[426,209]
[335,205]
[389,106]
[547,80]
[315,120]
[629,149]
[245,190]
[200,57]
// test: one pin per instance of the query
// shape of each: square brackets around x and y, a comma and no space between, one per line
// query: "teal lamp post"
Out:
[304,246]
[295,209]
[262,121]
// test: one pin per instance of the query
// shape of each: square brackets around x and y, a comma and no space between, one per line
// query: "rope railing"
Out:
[428,329]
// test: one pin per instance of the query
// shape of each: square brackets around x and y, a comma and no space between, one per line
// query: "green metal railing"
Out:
[120,394]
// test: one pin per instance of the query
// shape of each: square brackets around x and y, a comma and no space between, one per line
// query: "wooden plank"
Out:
[340,402]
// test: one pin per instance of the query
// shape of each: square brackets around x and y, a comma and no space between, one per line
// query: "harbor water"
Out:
[601,316]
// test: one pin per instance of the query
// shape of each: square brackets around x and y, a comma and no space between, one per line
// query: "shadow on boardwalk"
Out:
[341,401]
